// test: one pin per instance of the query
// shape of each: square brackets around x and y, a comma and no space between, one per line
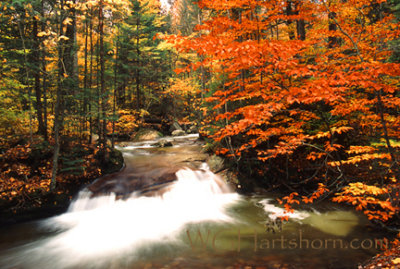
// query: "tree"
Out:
[139,56]
[323,100]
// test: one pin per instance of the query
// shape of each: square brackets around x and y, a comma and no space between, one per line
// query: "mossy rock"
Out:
[146,135]
[114,162]
[216,163]
[178,133]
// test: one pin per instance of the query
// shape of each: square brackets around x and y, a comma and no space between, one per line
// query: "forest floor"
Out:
[25,176]
[389,259]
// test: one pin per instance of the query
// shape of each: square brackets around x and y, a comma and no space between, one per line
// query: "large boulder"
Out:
[146,135]
[153,182]
[178,133]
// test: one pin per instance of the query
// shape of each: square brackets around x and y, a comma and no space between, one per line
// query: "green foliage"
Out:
[141,64]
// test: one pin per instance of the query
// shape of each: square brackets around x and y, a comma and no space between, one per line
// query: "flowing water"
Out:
[195,221]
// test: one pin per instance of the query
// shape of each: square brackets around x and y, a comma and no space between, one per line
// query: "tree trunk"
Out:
[332,40]
[44,78]
[90,82]
[395,164]
[59,100]
[115,92]
[301,30]
[103,97]
[85,78]
[36,74]
[138,97]
[289,12]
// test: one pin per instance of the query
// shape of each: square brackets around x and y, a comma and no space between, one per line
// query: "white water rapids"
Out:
[97,229]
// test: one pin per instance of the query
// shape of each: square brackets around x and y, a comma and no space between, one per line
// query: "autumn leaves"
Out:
[307,85]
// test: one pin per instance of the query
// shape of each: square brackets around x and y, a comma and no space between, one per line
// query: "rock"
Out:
[215,163]
[123,144]
[145,135]
[163,143]
[175,126]
[149,183]
[95,138]
[178,133]
[193,130]
[230,178]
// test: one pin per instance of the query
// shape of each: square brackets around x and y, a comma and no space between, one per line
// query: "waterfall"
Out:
[96,229]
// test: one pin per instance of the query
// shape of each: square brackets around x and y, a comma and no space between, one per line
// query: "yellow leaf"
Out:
[396,261]
[67,21]
[63,37]
[41,34]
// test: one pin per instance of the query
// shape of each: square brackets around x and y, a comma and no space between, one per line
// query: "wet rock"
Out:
[216,163]
[123,144]
[230,178]
[150,183]
[193,130]
[146,135]
[163,144]
[178,133]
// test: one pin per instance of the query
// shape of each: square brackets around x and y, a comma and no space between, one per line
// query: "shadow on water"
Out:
[167,210]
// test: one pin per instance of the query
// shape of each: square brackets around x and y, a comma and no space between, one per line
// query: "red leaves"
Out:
[317,194]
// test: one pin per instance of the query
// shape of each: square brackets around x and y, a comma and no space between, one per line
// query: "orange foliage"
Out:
[270,80]
[372,200]
[280,94]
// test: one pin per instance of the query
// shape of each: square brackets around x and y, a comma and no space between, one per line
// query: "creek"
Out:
[166,209]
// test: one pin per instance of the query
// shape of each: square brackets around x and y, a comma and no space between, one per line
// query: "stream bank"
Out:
[39,203]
